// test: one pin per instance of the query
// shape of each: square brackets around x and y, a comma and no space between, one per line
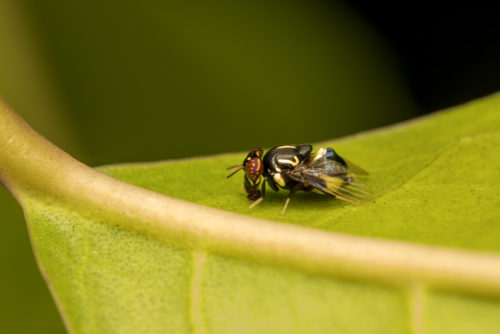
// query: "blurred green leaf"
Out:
[138,76]
[26,305]
[121,259]
[28,83]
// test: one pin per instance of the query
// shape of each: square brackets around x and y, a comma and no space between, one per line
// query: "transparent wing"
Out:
[332,176]
[356,169]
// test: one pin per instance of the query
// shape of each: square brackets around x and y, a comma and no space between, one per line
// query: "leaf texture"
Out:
[421,258]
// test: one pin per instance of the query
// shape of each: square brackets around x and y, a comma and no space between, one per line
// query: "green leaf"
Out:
[421,258]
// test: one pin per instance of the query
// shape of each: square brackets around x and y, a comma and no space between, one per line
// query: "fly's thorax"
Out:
[285,157]
[281,159]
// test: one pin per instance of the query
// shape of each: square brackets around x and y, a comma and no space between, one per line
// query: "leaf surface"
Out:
[435,180]
[421,258]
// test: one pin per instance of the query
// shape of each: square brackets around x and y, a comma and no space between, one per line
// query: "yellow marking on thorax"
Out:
[294,163]
[320,154]
[279,179]
[287,146]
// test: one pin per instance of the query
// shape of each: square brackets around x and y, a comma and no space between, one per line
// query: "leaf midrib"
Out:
[45,172]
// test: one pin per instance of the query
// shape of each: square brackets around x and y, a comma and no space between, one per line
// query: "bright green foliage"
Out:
[434,181]
[109,279]
[243,297]
[447,313]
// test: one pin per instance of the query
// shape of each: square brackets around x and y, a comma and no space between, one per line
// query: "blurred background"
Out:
[123,81]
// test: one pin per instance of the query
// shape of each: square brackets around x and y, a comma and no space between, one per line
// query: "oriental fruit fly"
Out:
[298,168]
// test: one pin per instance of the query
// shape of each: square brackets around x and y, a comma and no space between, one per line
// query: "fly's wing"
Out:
[332,177]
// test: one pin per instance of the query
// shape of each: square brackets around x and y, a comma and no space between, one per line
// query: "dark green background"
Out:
[120,81]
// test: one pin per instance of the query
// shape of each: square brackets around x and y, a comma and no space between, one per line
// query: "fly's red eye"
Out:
[253,169]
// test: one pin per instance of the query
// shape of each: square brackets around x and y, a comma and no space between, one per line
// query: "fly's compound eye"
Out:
[253,169]
[254,153]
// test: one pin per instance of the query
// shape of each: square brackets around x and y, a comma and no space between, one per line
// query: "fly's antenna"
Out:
[238,168]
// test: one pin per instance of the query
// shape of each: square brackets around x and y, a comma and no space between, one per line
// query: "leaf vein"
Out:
[196,307]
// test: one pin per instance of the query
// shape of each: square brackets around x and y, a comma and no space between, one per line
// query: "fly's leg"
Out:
[262,194]
[257,201]
[292,191]
[282,215]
